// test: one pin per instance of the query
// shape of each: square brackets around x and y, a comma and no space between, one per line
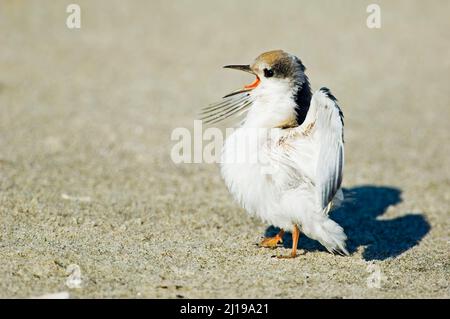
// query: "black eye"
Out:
[268,73]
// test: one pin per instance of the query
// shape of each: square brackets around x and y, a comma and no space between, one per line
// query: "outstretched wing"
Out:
[230,107]
[329,122]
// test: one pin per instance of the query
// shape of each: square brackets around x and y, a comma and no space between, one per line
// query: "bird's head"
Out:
[275,71]
[278,97]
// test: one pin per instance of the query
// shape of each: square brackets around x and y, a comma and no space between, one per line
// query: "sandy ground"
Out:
[86,180]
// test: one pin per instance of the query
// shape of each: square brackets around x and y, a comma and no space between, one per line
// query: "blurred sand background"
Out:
[86,177]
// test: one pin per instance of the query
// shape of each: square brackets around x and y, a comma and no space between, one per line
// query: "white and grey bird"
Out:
[284,162]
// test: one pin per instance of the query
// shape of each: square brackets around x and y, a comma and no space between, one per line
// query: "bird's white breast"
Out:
[273,103]
[257,178]
[243,171]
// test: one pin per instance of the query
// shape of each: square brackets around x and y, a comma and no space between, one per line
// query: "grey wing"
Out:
[330,162]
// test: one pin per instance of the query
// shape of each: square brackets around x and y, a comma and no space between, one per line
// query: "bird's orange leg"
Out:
[272,242]
[295,236]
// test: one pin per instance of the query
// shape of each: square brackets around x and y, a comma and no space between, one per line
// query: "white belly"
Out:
[259,184]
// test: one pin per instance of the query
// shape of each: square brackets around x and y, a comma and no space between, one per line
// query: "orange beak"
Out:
[254,84]
[249,87]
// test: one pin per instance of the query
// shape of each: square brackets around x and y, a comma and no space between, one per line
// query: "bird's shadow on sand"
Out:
[382,238]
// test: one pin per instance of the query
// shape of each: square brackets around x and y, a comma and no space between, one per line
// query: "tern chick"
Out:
[284,162]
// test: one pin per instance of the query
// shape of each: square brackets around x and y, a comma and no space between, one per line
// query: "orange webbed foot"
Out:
[272,242]
[295,236]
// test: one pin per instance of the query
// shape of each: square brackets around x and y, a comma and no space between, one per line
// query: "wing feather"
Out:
[330,161]
[233,106]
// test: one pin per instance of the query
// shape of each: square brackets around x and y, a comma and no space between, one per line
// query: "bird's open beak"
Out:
[249,87]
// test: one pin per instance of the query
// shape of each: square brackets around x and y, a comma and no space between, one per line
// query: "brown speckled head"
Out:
[278,64]
[271,57]
[278,75]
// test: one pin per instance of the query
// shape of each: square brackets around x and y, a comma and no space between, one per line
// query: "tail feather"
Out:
[329,234]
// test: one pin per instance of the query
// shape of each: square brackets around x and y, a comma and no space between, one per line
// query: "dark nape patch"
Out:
[299,62]
[302,101]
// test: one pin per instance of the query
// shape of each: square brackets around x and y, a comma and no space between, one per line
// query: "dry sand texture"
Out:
[86,178]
